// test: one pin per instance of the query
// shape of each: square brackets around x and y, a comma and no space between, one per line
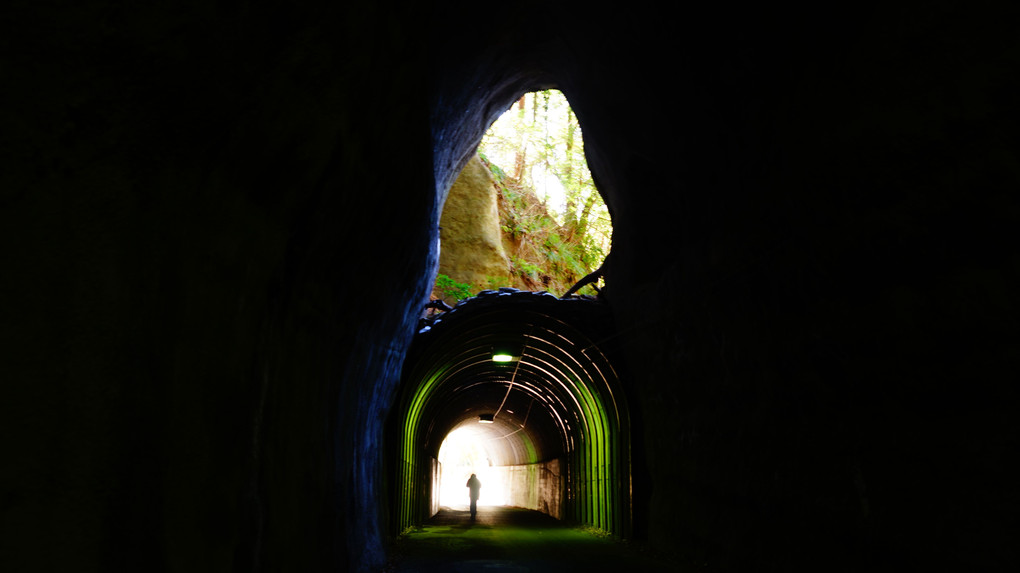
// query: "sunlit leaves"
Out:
[537,145]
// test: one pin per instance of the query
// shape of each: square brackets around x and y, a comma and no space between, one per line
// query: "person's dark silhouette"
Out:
[474,486]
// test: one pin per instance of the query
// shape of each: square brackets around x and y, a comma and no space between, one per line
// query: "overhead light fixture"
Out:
[485,418]
[502,357]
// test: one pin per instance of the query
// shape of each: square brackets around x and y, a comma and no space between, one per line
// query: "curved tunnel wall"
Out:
[560,400]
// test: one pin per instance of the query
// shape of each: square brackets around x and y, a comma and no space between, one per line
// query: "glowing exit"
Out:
[465,452]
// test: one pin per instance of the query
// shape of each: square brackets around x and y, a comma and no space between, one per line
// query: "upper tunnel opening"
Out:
[557,407]
[525,211]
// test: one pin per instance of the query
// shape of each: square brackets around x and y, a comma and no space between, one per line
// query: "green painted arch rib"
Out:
[561,376]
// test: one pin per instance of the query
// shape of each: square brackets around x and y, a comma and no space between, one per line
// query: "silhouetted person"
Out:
[474,486]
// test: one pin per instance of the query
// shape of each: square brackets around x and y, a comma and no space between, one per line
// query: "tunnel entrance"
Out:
[526,382]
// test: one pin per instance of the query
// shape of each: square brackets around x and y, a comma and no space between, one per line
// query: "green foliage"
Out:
[550,211]
[450,288]
[498,174]
[552,239]
[524,268]
[539,139]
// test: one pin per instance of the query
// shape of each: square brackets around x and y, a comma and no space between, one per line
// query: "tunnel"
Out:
[530,375]
[219,225]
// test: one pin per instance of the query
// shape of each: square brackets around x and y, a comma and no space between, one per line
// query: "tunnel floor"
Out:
[518,540]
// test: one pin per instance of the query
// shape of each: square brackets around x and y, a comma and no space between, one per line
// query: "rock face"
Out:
[813,254]
[471,243]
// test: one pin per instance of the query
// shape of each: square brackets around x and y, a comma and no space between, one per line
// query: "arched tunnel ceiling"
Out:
[541,401]
[523,430]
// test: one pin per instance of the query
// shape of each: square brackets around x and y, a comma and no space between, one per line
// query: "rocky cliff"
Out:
[471,250]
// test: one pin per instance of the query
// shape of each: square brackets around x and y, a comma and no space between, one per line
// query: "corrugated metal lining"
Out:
[559,400]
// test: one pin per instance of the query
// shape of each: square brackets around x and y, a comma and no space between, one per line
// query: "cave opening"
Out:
[524,211]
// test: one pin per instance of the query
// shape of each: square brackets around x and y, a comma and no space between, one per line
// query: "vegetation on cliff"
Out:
[555,227]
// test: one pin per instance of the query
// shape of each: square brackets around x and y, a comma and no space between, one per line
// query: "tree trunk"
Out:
[520,154]
[570,217]
[582,221]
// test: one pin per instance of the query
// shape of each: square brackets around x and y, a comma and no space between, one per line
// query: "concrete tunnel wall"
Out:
[537,486]
[217,224]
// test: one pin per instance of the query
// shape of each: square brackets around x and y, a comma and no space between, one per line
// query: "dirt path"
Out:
[505,539]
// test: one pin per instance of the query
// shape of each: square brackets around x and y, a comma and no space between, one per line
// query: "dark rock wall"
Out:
[835,323]
[197,361]
[814,269]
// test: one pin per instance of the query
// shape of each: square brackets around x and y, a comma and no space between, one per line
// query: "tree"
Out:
[540,137]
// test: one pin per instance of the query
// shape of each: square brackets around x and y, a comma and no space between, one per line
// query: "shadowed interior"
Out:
[219,224]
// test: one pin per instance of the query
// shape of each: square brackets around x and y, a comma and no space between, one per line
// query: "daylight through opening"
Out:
[467,450]
[524,212]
